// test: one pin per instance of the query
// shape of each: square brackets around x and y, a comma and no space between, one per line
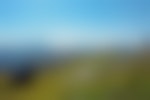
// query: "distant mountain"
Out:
[11,57]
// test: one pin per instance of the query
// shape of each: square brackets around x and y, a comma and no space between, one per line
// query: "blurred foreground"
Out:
[96,76]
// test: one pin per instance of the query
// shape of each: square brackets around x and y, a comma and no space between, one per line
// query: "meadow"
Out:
[86,77]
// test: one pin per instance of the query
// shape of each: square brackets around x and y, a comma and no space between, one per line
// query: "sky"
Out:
[67,23]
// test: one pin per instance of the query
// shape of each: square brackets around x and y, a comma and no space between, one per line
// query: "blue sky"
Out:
[80,21]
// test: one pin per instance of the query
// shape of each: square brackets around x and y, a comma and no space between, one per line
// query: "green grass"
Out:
[87,78]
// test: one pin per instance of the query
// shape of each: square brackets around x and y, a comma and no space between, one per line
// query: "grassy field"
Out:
[94,77]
